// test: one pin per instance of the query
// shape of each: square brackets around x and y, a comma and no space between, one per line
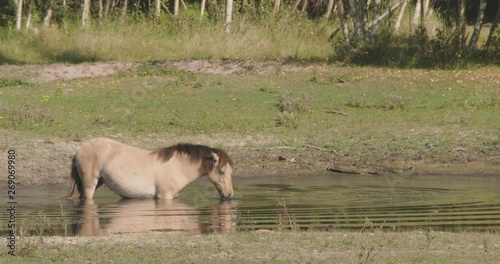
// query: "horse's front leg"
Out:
[163,193]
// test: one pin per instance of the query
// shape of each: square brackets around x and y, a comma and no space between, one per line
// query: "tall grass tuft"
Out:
[146,40]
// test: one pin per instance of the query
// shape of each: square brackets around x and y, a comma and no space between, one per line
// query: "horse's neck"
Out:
[182,172]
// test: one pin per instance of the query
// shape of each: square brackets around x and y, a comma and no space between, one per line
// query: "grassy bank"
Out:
[373,118]
[355,111]
[275,247]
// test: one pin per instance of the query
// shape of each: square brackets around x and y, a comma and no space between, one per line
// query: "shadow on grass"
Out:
[5,60]
[53,56]
[73,56]
[419,52]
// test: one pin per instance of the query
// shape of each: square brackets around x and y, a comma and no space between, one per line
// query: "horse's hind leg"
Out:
[90,180]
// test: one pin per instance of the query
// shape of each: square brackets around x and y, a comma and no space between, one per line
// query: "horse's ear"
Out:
[210,161]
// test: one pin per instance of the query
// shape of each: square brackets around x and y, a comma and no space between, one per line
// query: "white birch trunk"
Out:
[304,6]
[157,9]
[428,10]
[48,16]
[477,26]
[276,8]
[397,25]
[124,10]
[100,11]
[356,19]
[387,12]
[329,8]
[416,15]
[345,29]
[375,19]
[19,15]
[108,5]
[28,20]
[461,17]
[176,8]
[202,11]
[85,12]
[229,15]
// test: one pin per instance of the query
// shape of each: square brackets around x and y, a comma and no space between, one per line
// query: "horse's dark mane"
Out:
[195,152]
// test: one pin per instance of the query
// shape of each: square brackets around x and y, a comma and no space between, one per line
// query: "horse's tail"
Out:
[75,183]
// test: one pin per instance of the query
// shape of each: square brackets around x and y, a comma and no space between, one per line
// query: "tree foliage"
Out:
[7,13]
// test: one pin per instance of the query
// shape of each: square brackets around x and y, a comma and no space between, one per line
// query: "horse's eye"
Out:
[221,172]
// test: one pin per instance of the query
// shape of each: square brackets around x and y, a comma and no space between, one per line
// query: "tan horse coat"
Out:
[136,173]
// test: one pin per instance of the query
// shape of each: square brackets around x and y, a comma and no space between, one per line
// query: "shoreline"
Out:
[47,162]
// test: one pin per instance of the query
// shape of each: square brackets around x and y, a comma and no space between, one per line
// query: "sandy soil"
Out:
[46,161]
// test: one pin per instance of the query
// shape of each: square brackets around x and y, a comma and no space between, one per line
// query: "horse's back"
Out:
[95,149]
[126,170]
[103,147]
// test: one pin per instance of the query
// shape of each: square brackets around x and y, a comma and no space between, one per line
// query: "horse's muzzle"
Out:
[225,197]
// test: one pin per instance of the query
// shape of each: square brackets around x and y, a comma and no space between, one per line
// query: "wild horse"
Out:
[136,173]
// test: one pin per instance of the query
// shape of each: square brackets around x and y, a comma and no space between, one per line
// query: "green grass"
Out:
[388,110]
[270,247]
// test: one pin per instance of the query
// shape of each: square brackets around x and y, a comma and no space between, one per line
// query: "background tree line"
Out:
[364,30]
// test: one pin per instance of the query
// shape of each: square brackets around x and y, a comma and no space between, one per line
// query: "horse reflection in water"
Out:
[149,216]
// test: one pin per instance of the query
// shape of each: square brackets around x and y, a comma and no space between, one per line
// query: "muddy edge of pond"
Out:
[47,161]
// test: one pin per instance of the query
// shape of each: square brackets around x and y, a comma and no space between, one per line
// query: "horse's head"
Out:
[220,173]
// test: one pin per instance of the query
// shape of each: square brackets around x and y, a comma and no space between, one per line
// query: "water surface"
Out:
[326,202]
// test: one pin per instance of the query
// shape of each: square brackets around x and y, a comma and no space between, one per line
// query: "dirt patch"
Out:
[46,161]
[53,72]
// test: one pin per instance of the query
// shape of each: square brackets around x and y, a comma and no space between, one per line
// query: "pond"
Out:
[327,202]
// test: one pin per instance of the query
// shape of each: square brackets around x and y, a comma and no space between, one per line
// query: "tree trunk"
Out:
[65,13]
[28,20]
[416,15]
[108,5]
[400,16]
[345,29]
[477,26]
[428,11]
[229,15]
[355,19]
[422,13]
[493,28]
[296,6]
[276,8]
[202,11]
[100,11]
[329,8]
[176,8]
[85,12]
[48,16]
[375,19]
[157,9]
[388,12]
[363,17]
[19,15]
[460,12]
[124,10]
[304,6]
